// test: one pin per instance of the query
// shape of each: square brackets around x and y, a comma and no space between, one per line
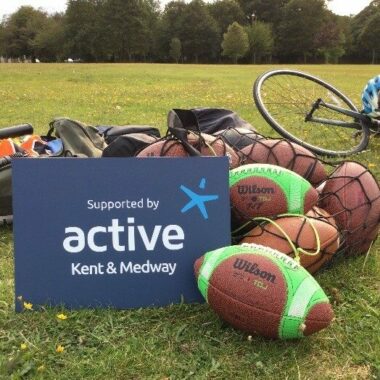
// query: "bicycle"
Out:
[294,103]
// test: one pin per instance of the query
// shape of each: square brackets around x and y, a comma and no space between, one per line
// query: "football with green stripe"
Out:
[262,291]
[268,190]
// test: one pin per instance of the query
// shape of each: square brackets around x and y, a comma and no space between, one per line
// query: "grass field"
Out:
[179,341]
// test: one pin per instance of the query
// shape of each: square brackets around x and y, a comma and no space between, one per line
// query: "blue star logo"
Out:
[198,200]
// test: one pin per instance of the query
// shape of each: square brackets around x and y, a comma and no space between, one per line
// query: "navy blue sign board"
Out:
[116,232]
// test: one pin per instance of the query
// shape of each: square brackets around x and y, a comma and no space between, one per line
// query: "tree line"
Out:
[248,31]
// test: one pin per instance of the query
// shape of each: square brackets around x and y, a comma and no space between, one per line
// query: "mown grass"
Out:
[179,341]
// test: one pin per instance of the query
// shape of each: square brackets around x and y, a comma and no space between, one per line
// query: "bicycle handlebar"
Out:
[16,131]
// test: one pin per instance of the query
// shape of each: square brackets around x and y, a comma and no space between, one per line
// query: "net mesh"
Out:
[286,154]
[312,239]
[166,147]
[352,196]
[209,145]
[201,143]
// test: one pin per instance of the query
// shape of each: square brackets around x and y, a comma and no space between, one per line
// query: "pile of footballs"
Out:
[289,218]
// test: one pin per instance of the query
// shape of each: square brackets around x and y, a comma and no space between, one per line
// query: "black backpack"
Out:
[208,120]
[127,140]
[128,145]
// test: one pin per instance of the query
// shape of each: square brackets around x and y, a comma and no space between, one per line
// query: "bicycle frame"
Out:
[357,116]
[343,129]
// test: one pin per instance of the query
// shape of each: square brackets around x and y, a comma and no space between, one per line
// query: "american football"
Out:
[288,155]
[314,240]
[209,145]
[267,190]
[260,290]
[164,148]
[352,195]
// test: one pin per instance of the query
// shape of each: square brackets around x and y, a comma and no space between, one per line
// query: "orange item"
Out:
[7,147]
[30,143]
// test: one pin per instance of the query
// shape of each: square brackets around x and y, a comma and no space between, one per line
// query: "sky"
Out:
[341,7]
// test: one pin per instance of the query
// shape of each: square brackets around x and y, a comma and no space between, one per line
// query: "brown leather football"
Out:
[288,155]
[263,291]
[268,190]
[352,196]
[209,145]
[288,232]
[164,148]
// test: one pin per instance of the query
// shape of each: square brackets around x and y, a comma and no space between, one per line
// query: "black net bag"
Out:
[165,147]
[311,239]
[286,154]
[209,145]
[352,195]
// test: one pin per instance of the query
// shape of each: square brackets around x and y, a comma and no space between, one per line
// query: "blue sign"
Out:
[116,232]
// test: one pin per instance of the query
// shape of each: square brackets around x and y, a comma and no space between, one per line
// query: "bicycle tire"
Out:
[292,84]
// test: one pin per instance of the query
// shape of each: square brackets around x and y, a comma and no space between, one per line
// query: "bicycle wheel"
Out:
[285,97]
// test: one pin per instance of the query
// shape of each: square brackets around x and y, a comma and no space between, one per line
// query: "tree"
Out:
[330,40]
[130,26]
[49,41]
[261,40]
[225,12]
[2,39]
[235,42]
[361,19]
[345,26]
[169,27]
[118,30]
[357,25]
[369,37]
[199,33]
[302,20]
[150,11]
[84,30]
[175,49]
[269,11]
[20,30]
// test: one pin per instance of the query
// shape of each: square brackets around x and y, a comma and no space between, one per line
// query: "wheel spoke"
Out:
[285,97]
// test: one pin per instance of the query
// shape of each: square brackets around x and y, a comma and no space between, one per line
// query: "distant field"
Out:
[180,341]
